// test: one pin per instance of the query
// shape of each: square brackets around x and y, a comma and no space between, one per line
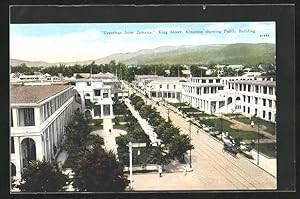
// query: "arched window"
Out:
[28,150]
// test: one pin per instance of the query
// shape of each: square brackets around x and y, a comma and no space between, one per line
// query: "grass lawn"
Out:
[245,135]
[233,115]
[200,114]
[121,118]
[122,127]
[98,127]
[270,127]
[178,104]
[189,109]
[97,120]
[267,149]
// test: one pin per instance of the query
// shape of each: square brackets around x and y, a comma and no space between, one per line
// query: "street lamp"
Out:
[130,146]
[258,126]
[221,126]
[190,135]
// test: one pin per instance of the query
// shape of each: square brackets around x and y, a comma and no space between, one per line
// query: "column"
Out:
[217,106]
[39,147]
[18,163]
[15,118]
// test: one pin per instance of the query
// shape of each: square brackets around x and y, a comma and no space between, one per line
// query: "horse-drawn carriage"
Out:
[230,148]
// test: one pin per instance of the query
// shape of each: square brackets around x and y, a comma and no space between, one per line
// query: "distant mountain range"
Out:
[239,53]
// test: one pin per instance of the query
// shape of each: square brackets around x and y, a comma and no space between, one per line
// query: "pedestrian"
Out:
[184,169]
[160,170]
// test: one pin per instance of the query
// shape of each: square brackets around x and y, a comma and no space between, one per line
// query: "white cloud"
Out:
[68,47]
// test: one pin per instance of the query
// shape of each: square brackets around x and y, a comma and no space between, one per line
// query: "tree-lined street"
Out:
[214,168]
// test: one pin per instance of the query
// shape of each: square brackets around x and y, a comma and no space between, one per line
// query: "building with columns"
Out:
[166,88]
[38,116]
[96,98]
[248,95]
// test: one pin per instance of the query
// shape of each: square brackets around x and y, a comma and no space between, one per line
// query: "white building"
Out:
[247,95]
[166,88]
[93,91]
[38,116]
[36,79]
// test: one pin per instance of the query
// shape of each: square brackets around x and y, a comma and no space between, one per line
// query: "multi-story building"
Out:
[166,88]
[38,116]
[247,95]
[96,98]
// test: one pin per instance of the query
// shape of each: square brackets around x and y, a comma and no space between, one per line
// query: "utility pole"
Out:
[258,125]
[130,165]
[130,146]
[190,131]
[221,126]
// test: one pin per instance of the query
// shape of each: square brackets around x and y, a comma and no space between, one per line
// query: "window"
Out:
[203,81]
[256,100]
[265,89]
[97,92]
[248,110]
[97,110]
[244,98]
[12,145]
[270,103]
[26,117]
[174,86]
[270,90]
[264,102]
[160,86]
[105,95]
[210,81]
[218,81]
[264,114]
[244,87]
[270,115]
[256,89]
[248,99]
[88,83]
[167,86]
[249,88]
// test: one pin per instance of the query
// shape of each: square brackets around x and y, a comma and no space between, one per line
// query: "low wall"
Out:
[147,167]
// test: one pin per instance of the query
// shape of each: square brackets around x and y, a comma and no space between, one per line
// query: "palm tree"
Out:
[158,155]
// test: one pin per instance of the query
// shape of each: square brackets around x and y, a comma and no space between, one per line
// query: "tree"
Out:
[97,171]
[42,176]
[77,131]
[158,155]
[179,145]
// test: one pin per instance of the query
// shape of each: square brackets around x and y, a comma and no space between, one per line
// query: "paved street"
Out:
[213,168]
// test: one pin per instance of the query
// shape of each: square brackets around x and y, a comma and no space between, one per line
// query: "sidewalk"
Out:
[109,135]
[168,181]
[144,124]
[267,164]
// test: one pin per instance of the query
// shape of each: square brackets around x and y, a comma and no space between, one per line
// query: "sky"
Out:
[90,41]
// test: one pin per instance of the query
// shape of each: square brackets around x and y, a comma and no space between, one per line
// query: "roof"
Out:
[34,93]
[256,82]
